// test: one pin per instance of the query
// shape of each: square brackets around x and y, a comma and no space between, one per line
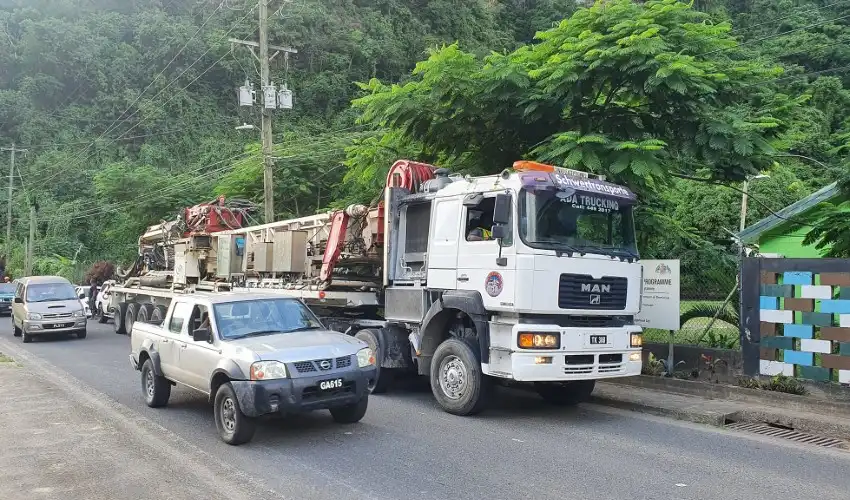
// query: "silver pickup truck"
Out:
[253,355]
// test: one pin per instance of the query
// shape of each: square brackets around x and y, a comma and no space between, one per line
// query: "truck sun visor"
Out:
[539,181]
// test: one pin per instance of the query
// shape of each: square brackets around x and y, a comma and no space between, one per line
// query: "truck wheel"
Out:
[101,317]
[144,314]
[158,315]
[118,318]
[233,426]
[156,389]
[350,414]
[456,378]
[383,376]
[565,393]
[130,317]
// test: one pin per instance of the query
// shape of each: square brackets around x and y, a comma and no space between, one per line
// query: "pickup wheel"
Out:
[130,317]
[350,414]
[233,426]
[565,393]
[158,315]
[144,314]
[457,381]
[118,318]
[15,330]
[383,376]
[156,389]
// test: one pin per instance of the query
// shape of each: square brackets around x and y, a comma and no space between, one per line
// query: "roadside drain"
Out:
[785,433]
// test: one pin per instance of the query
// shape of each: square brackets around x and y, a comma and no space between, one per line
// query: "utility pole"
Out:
[271,101]
[8,246]
[31,241]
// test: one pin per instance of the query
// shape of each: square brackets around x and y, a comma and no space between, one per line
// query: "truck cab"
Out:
[536,270]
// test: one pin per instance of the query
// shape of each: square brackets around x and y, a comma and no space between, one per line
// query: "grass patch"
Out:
[5,359]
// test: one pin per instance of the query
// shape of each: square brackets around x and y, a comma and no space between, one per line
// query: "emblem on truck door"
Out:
[493,284]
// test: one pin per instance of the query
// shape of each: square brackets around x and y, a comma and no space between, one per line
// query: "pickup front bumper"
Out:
[298,395]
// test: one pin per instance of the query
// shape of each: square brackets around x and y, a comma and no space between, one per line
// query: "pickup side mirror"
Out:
[19,300]
[502,210]
[202,335]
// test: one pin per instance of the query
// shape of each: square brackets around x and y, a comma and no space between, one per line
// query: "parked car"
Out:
[83,292]
[47,305]
[101,302]
[7,294]
[253,355]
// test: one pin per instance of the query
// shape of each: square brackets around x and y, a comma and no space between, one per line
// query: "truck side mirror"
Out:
[202,335]
[502,210]
[499,231]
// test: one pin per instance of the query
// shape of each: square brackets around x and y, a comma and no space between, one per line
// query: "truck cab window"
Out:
[479,222]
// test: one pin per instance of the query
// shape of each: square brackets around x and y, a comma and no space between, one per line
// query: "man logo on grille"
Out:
[595,299]
[325,364]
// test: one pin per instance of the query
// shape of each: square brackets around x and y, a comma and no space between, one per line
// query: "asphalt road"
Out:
[406,447]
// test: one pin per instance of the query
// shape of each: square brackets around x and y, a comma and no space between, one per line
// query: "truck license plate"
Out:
[329,385]
[598,339]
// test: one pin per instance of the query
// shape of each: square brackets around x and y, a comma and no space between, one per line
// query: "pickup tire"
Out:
[15,330]
[383,376]
[118,318]
[156,389]
[458,383]
[350,414]
[130,317]
[565,393]
[233,426]
[158,315]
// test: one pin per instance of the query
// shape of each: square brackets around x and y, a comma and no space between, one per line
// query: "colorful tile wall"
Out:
[805,325]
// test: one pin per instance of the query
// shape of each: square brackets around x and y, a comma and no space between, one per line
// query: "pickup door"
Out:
[170,339]
[198,359]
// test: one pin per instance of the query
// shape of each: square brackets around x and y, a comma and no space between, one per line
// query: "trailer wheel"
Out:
[383,376]
[144,314]
[158,315]
[457,381]
[118,318]
[130,317]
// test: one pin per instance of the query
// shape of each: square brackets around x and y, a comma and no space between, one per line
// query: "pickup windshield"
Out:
[249,318]
[576,222]
[50,292]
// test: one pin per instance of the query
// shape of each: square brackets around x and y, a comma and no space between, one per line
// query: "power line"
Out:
[794,14]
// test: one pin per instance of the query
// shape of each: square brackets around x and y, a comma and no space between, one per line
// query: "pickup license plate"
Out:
[598,339]
[330,385]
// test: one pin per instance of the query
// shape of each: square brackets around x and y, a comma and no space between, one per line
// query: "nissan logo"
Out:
[325,364]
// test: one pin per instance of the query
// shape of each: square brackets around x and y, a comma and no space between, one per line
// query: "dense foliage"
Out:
[128,109]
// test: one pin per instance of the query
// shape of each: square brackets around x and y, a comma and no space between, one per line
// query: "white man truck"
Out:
[530,276]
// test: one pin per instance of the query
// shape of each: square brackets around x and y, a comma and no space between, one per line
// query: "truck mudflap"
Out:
[396,348]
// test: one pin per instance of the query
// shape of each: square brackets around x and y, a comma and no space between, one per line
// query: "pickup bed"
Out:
[253,355]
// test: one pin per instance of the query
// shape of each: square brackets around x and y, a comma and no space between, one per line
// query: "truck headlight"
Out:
[268,370]
[33,316]
[365,357]
[636,340]
[79,314]
[539,341]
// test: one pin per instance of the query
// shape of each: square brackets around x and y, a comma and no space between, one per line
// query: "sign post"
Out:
[660,300]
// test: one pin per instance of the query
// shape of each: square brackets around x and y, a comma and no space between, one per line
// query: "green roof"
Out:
[752,233]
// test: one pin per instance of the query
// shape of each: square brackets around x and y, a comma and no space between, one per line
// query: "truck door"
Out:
[478,253]
[442,246]
[198,358]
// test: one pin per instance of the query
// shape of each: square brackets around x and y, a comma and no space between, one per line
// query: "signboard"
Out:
[660,300]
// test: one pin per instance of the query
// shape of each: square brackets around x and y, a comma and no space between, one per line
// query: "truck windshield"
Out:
[249,318]
[49,292]
[576,222]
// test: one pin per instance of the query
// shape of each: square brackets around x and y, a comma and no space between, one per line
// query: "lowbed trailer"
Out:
[530,276]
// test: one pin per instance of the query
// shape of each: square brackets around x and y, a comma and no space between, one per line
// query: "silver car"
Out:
[47,305]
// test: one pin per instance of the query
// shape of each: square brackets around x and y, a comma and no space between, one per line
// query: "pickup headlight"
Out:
[268,370]
[539,341]
[33,316]
[365,357]
[79,314]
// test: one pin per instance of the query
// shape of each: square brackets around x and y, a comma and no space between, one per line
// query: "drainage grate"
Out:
[785,433]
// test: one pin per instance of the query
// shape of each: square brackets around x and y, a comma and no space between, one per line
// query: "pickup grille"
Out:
[316,365]
[578,291]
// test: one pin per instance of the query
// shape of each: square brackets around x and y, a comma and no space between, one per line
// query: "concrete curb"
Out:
[232,482]
[686,408]
[714,419]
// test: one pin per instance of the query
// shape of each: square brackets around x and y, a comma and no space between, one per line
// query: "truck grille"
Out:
[578,291]
[316,365]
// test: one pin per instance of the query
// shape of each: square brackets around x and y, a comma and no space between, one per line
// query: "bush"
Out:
[778,383]
[100,271]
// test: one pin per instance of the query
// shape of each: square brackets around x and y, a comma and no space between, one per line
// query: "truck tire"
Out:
[118,318]
[458,383]
[158,315]
[130,317]
[383,376]
[144,314]
[565,393]
[351,414]
[233,426]
[155,388]
[101,316]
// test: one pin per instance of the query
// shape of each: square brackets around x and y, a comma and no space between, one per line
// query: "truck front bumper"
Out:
[561,366]
[303,394]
